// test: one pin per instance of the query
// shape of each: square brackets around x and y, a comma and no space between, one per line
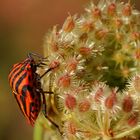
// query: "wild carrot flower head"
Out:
[95,55]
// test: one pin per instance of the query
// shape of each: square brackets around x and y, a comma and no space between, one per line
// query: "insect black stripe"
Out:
[19,104]
[20,81]
[26,88]
[21,69]
[15,68]
[12,72]
[23,103]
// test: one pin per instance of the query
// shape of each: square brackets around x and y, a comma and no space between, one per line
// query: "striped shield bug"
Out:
[26,86]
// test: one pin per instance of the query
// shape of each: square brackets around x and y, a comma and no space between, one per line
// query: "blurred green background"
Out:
[23,24]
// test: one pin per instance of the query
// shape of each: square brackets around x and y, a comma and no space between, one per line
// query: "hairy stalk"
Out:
[38,132]
[127,133]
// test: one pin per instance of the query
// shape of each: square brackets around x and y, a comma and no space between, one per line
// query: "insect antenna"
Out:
[40,59]
[31,54]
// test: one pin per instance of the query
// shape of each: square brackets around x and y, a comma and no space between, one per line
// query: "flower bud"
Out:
[84,106]
[110,101]
[70,102]
[111,9]
[96,13]
[83,37]
[64,81]
[118,22]
[133,119]
[87,26]
[69,24]
[72,64]
[71,128]
[127,104]
[54,64]
[101,33]
[98,94]
[127,10]
[85,50]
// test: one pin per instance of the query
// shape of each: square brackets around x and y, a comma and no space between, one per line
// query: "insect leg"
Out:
[46,115]
[45,72]
[47,92]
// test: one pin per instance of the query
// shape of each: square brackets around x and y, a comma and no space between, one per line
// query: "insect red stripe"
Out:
[15,80]
[14,69]
[16,74]
[20,105]
[22,84]
[19,82]
[27,88]
[23,102]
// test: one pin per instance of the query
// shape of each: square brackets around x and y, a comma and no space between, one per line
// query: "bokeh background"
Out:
[23,25]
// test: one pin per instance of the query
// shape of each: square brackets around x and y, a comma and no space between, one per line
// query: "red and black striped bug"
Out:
[26,86]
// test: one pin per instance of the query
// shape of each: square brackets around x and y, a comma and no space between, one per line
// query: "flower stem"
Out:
[126,133]
[38,132]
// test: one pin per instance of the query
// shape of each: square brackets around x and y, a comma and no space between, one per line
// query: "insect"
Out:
[26,87]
